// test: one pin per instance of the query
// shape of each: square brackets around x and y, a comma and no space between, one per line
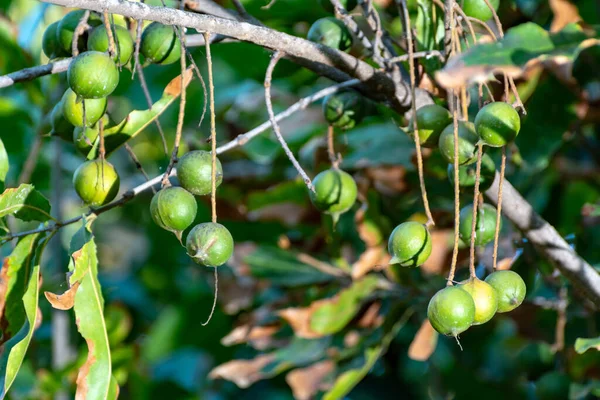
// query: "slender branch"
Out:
[81,27]
[499,209]
[276,57]
[242,139]
[29,74]
[456,201]
[213,132]
[549,243]
[419,54]
[323,60]
[448,40]
[475,214]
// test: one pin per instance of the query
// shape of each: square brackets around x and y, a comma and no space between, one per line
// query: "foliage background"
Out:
[156,297]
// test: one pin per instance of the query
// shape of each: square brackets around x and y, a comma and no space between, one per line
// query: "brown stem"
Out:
[499,208]
[81,27]
[475,211]
[456,202]
[331,148]
[213,130]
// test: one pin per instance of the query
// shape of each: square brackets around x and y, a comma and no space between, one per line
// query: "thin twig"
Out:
[411,62]
[213,130]
[342,14]
[242,139]
[149,101]
[274,59]
[475,211]
[138,40]
[137,163]
[456,202]
[31,161]
[561,320]
[335,163]
[112,48]
[214,305]
[180,117]
[499,208]
[204,91]
[448,41]
[81,27]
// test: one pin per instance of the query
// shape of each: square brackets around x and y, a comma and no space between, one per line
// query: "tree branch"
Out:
[548,242]
[323,60]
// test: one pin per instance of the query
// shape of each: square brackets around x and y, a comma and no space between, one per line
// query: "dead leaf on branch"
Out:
[260,337]
[374,258]
[299,319]
[63,301]
[565,13]
[424,342]
[306,382]
[243,372]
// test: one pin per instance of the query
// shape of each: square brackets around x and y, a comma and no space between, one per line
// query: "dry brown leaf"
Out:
[299,318]
[243,372]
[367,232]
[306,382]
[505,263]
[3,285]
[565,13]
[259,336]
[371,317]
[63,301]
[441,252]
[372,259]
[174,87]
[388,180]
[456,74]
[424,343]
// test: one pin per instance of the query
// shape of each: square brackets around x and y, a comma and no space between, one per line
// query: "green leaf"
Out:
[377,145]
[24,262]
[582,344]
[3,164]
[430,33]
[346,381]
[523,46]
[14,277]
[283,268]
[331,317]
[25,203]
[138,120]
[94,380]
[291,191]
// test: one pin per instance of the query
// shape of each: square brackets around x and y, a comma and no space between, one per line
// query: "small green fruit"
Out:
[485,227]
[485,299]
[431,121]
[209,244]
[73,109]
[173,209]
[510,287]
[96,182]
[60,126]
[344,110]
[66,30]
[98,41]
[553,386]
[467,141]
[349,5]
[50,44]
[410,244]
[160,44]
[479,9]
[335,192]
[466,174]
[330,32]
[194,171]
[451,311]
[93,75]
[497,124]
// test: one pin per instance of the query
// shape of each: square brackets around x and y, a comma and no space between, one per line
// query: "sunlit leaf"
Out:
[582,344]
[94,380]
[23,296]
[25,203]
[138,120]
